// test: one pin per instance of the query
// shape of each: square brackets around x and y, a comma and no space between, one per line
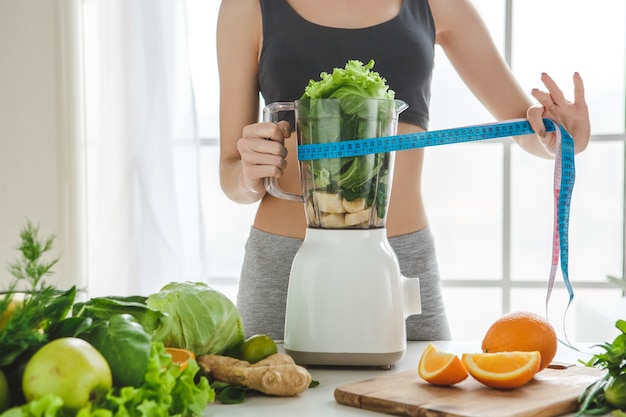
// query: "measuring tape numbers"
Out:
[564,170]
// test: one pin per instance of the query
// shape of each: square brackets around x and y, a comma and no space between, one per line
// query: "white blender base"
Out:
[346,301]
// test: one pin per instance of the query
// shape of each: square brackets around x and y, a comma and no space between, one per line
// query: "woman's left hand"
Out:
[573,116]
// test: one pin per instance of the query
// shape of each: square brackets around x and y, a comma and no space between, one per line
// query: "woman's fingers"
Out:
[552,104]
[579,89]
[535,115]
[275,131]
[263,152]
[285,128]
[555,93]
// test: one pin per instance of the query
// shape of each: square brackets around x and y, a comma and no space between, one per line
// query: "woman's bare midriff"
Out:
[406,208]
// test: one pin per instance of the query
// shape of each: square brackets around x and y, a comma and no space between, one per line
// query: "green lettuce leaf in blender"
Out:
[355,80]
[351,176]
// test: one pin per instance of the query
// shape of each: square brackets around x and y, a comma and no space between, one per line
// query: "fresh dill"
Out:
[29,304]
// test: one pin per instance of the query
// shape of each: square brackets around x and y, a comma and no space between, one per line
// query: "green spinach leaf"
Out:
[102,308]
[124,344]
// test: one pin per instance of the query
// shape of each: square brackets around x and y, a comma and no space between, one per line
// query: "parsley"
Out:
[599,397]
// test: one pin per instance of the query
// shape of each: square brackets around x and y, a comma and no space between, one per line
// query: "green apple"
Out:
[70,368]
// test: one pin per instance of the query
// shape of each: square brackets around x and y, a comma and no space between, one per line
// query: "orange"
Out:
[522,331]
[440,368]
[180,356]
[505,370]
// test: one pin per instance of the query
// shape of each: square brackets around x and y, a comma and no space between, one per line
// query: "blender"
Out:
[347,301]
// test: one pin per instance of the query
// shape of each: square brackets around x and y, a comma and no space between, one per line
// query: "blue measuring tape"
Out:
[564,171]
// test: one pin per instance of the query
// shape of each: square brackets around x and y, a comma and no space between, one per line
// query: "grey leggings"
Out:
[262,294]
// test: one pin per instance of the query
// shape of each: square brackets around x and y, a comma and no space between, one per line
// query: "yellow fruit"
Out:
[257,348]
[17,301]
[505,370]
[440,368]
[180,356]
[522,331]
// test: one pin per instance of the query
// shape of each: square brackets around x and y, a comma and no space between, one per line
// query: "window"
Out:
[493,223]
[509,194]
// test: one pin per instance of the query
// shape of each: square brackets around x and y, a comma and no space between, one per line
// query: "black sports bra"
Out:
[296,51]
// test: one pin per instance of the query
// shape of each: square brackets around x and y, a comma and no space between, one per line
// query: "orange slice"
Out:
[180,356]
[506,370]
[440,368]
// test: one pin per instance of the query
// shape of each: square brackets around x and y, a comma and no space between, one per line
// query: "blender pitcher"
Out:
[347,301]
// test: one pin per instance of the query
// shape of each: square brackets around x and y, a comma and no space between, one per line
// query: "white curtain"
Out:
[144,217]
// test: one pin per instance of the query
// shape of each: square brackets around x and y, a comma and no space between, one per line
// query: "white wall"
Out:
[40,156]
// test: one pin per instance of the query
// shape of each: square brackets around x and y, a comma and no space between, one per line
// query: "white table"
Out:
[320,401]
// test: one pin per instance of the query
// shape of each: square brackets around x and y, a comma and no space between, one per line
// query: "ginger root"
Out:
[275,375]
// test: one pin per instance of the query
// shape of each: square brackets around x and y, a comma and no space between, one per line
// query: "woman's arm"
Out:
[244,161]
[467,43]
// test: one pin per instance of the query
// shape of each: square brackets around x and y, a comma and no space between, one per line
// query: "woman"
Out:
[276,46]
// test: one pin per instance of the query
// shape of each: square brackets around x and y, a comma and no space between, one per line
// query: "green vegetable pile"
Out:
[354,102]
[608,393]
[129,332]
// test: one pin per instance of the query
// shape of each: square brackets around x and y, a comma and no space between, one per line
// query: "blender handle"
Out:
[412,300]
[270,114]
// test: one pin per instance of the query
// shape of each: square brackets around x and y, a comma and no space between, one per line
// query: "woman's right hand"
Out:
[262,150]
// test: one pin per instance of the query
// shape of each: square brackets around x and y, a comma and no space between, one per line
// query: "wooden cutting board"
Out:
[551,393]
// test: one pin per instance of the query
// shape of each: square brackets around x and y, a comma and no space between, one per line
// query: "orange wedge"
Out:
[505,370]
[440,368]
[180,356]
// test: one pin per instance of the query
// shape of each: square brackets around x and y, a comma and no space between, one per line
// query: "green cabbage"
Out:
[203,319]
